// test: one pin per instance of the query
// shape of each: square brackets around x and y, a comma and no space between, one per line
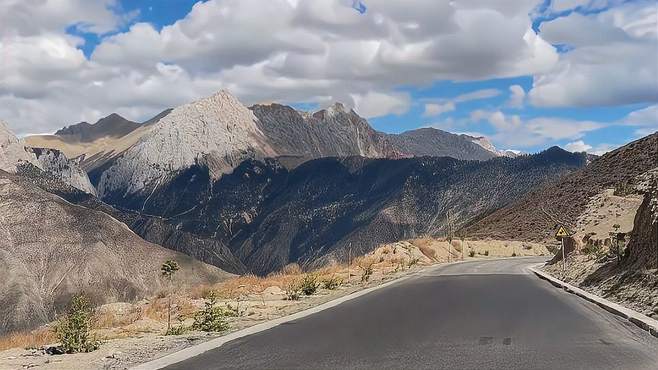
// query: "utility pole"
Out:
[463,243]
[564,260]
[449,234]
[349,262]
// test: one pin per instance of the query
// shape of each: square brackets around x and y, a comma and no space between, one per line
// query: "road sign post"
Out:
[561,234]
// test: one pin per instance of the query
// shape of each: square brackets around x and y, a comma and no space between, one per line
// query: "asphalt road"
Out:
[476,315]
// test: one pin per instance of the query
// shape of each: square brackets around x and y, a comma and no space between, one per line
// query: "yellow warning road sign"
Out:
[562,232]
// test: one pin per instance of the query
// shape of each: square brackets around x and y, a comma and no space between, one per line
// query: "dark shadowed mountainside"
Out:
[269,216]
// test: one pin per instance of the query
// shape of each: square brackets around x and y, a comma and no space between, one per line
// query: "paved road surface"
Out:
[475,315]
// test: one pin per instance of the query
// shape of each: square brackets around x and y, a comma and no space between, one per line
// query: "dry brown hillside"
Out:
[51,249]
[534,217]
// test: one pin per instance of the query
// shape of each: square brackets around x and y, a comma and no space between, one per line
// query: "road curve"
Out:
[490,314]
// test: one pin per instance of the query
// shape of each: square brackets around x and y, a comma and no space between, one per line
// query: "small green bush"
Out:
[74,329]
[486,253]
[309,284]
[331,283]
[413,262]
[513,254]
[471,253]
[211,318]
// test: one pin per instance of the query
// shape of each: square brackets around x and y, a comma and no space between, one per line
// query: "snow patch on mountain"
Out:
[218,126]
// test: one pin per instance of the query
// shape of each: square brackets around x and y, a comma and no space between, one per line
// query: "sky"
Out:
[527,74]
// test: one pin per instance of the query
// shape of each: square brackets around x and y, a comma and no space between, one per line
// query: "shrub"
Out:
[413,262]
[332,283]
[486,253]
[309,284]
[367,272]
[293,290]
[211,318]
[471,253]
[73,329]
[513,254]
[176,330]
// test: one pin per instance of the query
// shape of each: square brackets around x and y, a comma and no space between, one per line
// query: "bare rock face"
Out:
[51,249]
[219,126]
[13,151]
[68,171]
[331,132]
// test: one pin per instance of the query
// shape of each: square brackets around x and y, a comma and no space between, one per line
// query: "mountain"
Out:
[13,151]
[565,199]
[57,165]
[331,132]
[217,130]
[51,249]
[14,154]
[436,143]
[93,145]
[133,160]
[111,126]
[268,215]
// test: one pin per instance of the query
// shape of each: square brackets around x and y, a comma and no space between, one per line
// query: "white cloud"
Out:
[374,104]
[436,109]
[511,130]
[517,97]
[289,51]
[645,119]
[613,61]
[577,146]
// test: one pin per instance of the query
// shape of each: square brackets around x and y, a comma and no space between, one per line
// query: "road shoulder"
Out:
[642,321]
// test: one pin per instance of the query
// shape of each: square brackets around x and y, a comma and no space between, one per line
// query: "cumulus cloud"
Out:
[513,131]
[577,146]
[613,60]
[314,51]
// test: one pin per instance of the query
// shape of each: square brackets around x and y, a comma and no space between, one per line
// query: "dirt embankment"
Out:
[631,280]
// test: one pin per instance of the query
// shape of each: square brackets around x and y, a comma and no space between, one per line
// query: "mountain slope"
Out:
[565,199]
[51,249]
[269,215]
[56,164]
[218,130]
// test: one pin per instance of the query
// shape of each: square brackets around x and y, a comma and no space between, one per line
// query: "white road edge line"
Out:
[194,351]
[642,321]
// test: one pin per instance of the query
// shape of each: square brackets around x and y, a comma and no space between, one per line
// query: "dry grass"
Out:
[33,339]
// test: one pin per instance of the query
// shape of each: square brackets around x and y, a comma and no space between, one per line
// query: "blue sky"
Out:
[529,74]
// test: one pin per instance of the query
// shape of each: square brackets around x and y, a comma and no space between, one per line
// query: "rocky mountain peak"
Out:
[218,126]
[111,126]
[13,151]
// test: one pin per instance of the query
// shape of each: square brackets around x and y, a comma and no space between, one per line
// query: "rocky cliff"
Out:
[13,151]
[57,165]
